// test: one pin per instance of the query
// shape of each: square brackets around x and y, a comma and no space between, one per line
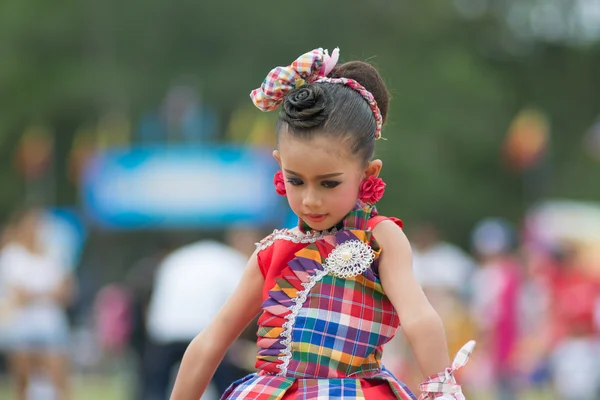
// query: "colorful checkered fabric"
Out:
[269,387]
[259,387]
[283,79]
[323,332]
[306,68]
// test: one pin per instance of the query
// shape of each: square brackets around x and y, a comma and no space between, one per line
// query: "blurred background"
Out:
[134,164]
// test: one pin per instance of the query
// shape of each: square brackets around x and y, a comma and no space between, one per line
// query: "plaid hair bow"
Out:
[313,66]
[445,383]
[281,80]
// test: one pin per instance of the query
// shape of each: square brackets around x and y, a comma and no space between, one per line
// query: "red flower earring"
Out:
[371,190]
[279,183]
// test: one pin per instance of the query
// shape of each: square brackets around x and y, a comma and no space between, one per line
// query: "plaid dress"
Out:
[320,335]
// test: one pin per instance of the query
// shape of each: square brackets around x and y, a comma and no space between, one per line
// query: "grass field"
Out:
[85,388]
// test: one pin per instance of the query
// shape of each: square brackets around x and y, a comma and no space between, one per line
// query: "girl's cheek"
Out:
[294,200]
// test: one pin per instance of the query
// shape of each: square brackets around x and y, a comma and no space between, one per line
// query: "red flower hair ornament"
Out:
[279,183]
[371,190]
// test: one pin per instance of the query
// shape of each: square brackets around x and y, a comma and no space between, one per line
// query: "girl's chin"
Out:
[323,225]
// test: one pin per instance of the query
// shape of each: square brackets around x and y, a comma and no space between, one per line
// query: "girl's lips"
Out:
[316,217]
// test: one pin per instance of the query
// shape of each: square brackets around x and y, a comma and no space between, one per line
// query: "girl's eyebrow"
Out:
[318,176]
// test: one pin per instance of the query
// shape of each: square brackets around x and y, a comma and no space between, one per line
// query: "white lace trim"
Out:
[293,235]
[291,319]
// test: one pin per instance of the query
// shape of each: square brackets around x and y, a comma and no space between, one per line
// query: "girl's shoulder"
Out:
[385,234]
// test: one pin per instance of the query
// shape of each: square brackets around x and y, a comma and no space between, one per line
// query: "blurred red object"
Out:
[576,296]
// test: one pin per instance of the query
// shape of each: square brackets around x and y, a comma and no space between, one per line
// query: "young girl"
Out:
[333,290]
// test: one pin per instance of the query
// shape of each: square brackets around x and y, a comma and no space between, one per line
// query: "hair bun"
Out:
[304,107]
[365,74]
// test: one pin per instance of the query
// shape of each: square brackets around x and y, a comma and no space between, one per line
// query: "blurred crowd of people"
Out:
[535,311]
[149,316]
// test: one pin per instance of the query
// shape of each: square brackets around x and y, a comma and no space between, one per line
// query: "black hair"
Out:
[337,109]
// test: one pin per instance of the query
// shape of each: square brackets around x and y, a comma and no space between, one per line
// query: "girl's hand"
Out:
[443,385]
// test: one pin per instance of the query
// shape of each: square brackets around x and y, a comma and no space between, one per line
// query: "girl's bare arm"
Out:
[206,351]
[420,323]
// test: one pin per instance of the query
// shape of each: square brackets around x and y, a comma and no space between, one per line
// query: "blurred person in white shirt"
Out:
[191,285]
[38,290]
[5,309]
[439,265]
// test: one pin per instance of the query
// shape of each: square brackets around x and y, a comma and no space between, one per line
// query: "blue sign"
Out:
[180,187]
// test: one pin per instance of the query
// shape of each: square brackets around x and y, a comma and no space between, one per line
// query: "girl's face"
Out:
[322,178]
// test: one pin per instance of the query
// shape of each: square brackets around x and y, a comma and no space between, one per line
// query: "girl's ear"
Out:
[373,168]
[277,157]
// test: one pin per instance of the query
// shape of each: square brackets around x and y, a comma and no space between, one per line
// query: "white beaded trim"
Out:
[349,259]
[291,319]
[293,235]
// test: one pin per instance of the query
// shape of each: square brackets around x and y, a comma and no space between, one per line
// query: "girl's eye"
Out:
[295,181]
[330,184]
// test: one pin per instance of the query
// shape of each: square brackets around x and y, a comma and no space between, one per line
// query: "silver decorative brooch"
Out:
[349,259]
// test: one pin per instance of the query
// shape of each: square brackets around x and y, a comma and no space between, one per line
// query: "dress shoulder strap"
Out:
[377,219]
